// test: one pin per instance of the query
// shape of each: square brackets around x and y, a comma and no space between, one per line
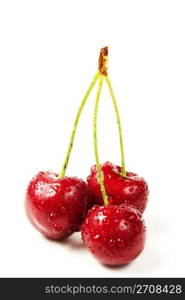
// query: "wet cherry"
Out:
[56,206]
[131,189]
[114,234]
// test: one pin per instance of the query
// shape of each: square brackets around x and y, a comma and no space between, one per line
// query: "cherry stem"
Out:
[84,100]
[98,166]
[123,170]
[103,61]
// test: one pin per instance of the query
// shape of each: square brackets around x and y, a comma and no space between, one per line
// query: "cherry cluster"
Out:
[107,208]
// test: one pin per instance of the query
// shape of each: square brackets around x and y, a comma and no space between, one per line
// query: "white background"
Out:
[48,55]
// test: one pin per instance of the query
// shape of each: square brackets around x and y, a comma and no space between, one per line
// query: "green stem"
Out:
[123,170]
[84,100]
[100,174]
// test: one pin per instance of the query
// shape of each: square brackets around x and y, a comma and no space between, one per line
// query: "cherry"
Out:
[56,206]
[131,189]
[114,234]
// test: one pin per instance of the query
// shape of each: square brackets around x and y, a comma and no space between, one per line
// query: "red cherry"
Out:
[132,189]
[55,206]
[115,234]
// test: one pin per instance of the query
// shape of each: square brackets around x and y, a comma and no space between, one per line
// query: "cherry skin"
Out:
[131,189]
[56,207]
[114,234]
